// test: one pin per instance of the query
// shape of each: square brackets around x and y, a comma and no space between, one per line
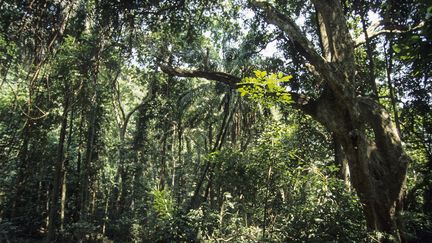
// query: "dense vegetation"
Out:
[204,120]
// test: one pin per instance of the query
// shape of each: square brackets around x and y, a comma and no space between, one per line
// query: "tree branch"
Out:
[146,99]
[225,78]
[288,26]
[331,72]
[300,100]
[380,27]
[335,38]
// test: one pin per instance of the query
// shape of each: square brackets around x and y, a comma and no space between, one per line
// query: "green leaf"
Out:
[286,78]
[280,75]
[396,48]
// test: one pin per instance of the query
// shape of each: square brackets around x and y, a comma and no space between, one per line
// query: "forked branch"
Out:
[288,26]
[378,28]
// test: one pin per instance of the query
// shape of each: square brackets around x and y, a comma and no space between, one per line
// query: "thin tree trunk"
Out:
[266,198]
[217,146]
[93,198]
[121,176]
[63,201]
[64,182]
[393,98]
[177,180]
[87,184]
[162,171]
[57,183]
[78,194]
[120,193]
[22,169]
[174,161]
[87,164]
[106,214]
[369,53]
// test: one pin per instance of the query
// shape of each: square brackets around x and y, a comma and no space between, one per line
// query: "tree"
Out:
[363,127]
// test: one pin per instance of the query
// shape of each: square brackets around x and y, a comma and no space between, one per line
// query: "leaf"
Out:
[286,78]
[415,38]
[396,48]
[280,75]
[243,92]
[260,74]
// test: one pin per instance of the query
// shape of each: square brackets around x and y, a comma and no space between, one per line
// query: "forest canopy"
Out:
[212,121]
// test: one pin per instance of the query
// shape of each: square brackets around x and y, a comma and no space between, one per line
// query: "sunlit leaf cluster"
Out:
[266,88]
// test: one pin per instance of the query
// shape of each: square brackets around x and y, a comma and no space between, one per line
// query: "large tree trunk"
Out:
[368,137]
[376,159]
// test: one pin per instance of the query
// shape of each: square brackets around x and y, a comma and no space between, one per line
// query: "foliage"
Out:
[162,204]
[100,144]
[271,186]
[266,88]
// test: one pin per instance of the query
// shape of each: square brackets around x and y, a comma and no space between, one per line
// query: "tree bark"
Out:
[341,160]
[377,166]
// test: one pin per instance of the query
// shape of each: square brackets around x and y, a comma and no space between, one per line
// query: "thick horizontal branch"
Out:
[225,78]
[381,27]
[300,100]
